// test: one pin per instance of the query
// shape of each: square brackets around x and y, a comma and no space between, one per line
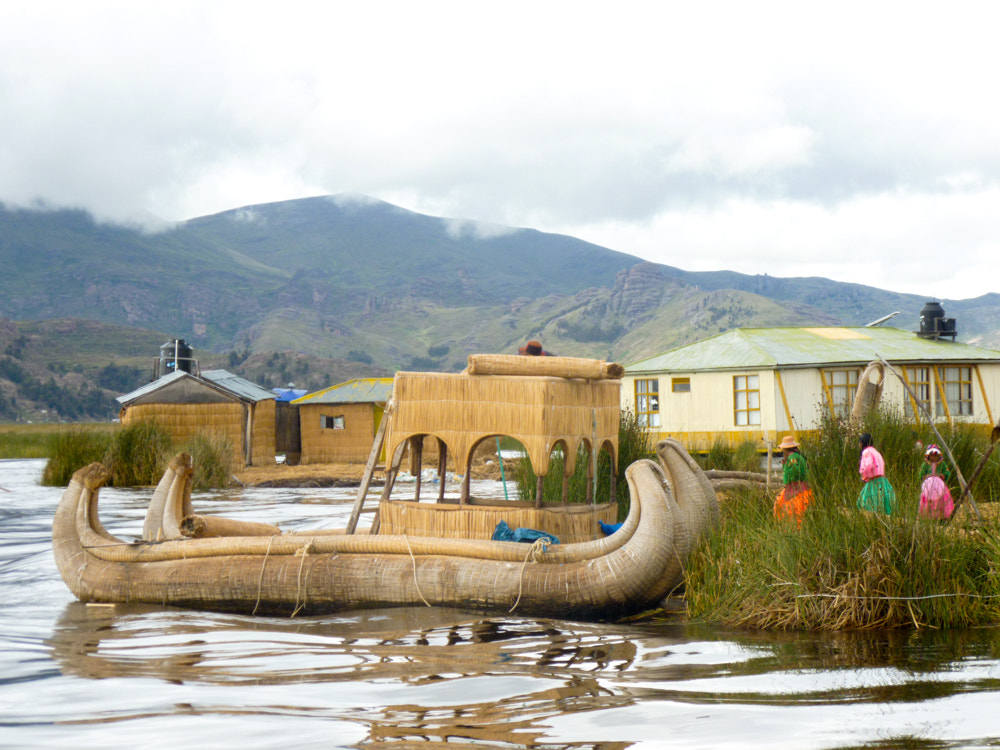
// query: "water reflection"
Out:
[523,671]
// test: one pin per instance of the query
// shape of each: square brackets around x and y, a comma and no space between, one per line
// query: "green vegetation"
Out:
[38,440]
[724,458]
[136,455]
[633,444]
[848,569]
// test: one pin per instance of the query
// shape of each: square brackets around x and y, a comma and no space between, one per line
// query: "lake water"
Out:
[80,676]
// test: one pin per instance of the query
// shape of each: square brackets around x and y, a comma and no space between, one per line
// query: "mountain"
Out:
[350,284]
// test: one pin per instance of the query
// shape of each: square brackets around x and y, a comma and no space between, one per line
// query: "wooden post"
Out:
[539,483]
[565,489]
[466,484]
[416,463]
[366,478]
[442,468]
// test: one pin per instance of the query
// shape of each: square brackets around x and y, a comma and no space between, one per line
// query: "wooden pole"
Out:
[442,468]
[416,463]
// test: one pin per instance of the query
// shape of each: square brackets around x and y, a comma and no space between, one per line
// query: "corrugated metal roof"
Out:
[357,391]
[238,386]
[765,348]
[152,386]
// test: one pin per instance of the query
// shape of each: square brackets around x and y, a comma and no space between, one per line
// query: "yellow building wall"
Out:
[704,415]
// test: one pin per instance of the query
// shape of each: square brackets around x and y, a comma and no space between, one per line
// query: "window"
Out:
[957,385]
[919,379]
[746,400]
[331,423]
[841,387]
[647,402]
[680,385]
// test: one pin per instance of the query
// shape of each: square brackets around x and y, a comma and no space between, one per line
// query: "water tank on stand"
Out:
[175,354]
[933,323]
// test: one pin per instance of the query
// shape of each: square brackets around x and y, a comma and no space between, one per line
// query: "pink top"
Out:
[872,464]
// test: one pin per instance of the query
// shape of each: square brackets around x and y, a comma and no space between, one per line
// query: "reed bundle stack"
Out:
[570,524]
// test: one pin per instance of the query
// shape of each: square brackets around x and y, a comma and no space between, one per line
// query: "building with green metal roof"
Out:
[338,424]
[760,383]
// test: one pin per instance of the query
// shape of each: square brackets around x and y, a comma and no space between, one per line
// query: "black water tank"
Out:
[929,316]
[176,355]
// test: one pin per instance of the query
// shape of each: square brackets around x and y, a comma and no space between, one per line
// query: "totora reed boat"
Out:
[416,553]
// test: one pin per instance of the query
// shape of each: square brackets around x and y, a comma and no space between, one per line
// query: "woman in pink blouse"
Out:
[877,495]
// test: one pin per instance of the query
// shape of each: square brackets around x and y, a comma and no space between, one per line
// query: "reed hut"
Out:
[214,402]
[338,424]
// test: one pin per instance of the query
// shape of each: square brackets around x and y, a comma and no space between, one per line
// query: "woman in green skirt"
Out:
[877,495]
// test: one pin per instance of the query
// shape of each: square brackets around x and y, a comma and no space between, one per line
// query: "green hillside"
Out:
[347,286]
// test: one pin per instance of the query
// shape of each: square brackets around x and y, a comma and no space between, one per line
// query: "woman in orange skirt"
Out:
[796,495]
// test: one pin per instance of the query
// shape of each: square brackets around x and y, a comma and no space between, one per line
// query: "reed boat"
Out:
[263,571]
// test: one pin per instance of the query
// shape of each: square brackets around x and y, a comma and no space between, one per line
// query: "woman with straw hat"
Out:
[796,495]
[877,495]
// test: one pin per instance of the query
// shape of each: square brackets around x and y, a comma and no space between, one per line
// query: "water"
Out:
[80,676]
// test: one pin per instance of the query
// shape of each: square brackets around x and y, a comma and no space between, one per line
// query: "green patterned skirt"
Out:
[878,496]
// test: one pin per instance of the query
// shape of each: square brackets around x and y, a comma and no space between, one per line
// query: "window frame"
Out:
[331,422]
[920,379]
[647,402]
[680,385]
[750,397]
[840,396]
[955,393]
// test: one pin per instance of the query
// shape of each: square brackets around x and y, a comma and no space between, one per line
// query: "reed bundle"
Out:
[557,367]
[199,527]
[572,524]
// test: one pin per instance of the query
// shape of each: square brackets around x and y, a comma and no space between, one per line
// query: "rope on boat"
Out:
[538,547]
[414,561]
[304,552]
[260,580]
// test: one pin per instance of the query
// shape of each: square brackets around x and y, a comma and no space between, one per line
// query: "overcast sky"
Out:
[858,141]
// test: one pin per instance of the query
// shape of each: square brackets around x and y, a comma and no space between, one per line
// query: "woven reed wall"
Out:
[184,421]
[571,523]
[349,445]
[462,409]
[264,435]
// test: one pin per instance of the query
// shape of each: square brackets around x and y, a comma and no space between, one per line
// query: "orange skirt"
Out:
[792,502]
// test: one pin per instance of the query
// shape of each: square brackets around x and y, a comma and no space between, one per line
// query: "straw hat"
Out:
[787,443]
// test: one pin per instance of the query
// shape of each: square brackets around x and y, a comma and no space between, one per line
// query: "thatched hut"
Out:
[215,401]
[338,424]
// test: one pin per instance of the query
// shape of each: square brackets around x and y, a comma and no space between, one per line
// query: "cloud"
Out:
[481,230]
[774,137]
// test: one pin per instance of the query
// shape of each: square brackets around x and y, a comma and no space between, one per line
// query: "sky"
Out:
[857,141]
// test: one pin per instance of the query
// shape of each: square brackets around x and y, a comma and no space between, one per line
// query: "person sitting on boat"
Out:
[533,349]
[877,495]
[935,496]
[796,495]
